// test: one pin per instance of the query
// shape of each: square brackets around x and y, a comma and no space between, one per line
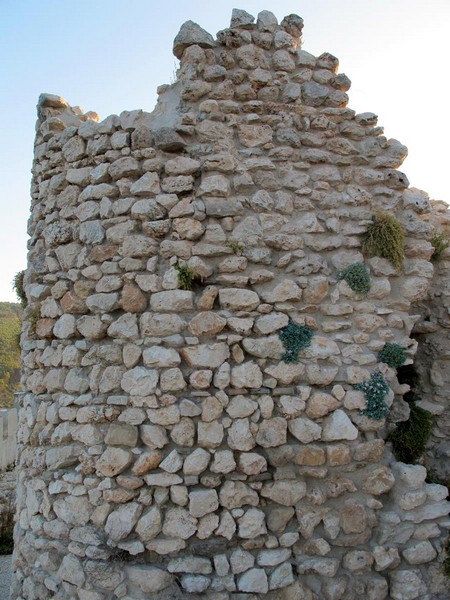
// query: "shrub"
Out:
[385,238]
[295,338]
[392,354]
[18,288]
[440,242]
[357,277]
[375,389]
[446,563]
[409,438]
[186,277]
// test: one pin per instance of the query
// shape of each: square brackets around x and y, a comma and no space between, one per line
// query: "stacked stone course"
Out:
[166,448]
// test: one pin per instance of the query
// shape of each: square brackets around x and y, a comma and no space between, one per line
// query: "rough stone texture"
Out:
[163,430]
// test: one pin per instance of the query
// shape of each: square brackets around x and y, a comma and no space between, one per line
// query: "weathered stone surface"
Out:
[159,420]
[254,580]
[149,579]
[206,355]
[338,427]
[190,34]
[113,461]
[121,521]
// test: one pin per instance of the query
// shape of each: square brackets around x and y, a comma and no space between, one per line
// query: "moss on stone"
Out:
[357,277]
[392,354]
[295,338]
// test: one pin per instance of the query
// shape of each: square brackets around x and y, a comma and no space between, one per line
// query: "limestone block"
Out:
[179,523]
[287,493]
[203,502]
[206,355]
[149,579]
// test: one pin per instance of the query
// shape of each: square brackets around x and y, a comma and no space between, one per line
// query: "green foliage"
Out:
[6,529]
[295,338]
[446,563]
[392,354]
[440,242]
[385,238]
[10,325]
[186,277]
[18,288]
[357,277]
[236,247]
[375,389]
[409,438]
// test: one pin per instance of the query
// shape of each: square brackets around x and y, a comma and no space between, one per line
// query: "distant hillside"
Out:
[10,324]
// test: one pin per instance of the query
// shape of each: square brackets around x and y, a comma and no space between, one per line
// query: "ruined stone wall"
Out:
[432,332]
[172,443]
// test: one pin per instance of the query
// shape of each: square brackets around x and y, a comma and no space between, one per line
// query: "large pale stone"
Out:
[122,520]
[190,34]
[179,523]
[158,356]
[305,430]
[419,553]
[190,564]
[203,502]
[240,436]
[140,381]
[378,481]
[149,524]
[154,436]
[196,462]
[113,461]
[338,426]
[246,375]
[254,580]
[252,524]
[172,301]
[287,493]
[272,432]
[207,323]
[208,356]
[210,435]
[407,585]
[161,324]
[149,579]
[237,299]
[240,407]
[234,494]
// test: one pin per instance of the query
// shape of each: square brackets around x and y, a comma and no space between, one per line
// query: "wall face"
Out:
[432,331]
[171,445]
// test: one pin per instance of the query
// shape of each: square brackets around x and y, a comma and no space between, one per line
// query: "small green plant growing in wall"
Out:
[18,288]
[236,247]
[375,390]
[392,355]
[385,238]
[295,338]
[357,277]
[186,277]
[440,242]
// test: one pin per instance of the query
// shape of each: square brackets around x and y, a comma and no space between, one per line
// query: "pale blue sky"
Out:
[110,55]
